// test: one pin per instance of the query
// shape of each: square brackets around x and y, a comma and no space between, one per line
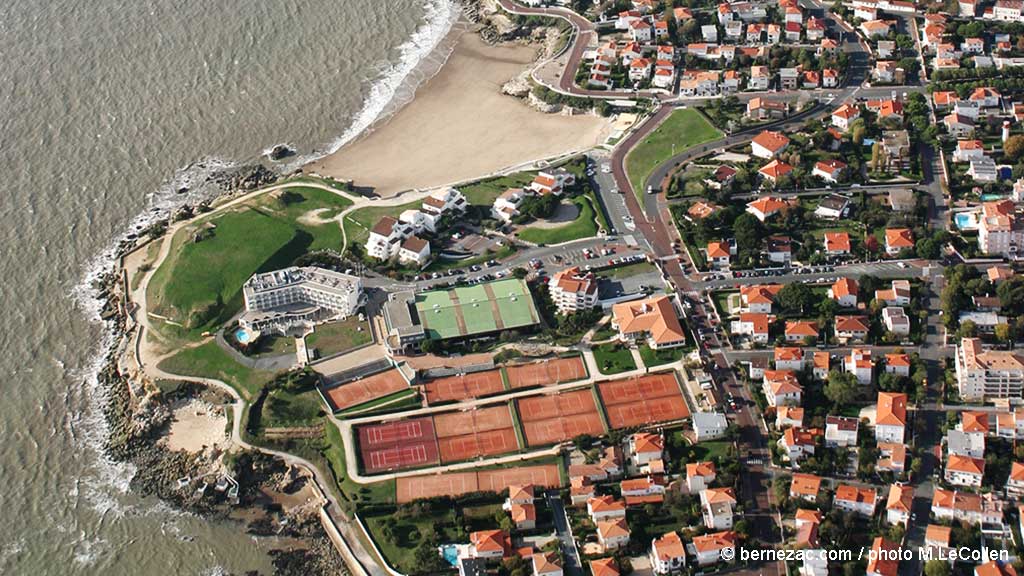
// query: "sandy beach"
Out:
[460,126]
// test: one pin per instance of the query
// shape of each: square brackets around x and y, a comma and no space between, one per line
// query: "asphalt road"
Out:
[572,565]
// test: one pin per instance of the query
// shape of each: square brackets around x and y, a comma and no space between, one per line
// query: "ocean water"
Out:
[107,108]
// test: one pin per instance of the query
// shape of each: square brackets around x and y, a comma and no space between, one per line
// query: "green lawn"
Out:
[658,357]
[684,128]
[400,551]
[721,300]
[712,449]
[275,346]
[359,222]
[209,360]
[628,270]
[199,285]
[336,337]
[486,191]
[401,398]
[583,227]
[376,492]
[284,409]
[613,358]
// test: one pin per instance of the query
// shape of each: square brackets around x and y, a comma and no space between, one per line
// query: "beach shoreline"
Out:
[458,125]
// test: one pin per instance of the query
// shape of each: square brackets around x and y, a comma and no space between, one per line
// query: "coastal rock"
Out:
[541,105]
[245,178]
[280,152]
[518,86]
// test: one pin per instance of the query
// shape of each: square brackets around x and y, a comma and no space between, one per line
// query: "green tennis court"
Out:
[476,310]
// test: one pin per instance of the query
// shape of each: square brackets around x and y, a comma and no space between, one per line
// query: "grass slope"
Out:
[684,128]
[582,227]
[199,285]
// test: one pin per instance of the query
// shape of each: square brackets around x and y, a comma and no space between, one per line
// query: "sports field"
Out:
[643,400]
[398,445]
[554,371]
[556,418]
[474,310]
[458,483]
[365,389]
[463,386]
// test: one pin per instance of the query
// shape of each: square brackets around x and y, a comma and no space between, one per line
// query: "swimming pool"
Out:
[242,335]
[992,197]
[966,220]
[450,553]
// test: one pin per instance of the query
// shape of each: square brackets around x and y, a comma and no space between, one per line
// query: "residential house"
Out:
[805,487]
[759,79]
[752,324]
[949,505]
[960,443]
[717,508]
[768,144]
[1000,229]
[775,170]
[767,206]
[668,554]
[897,240]
[789,358]
[876,28]
[613,534]
[645,447]
[709,425]
[898,364]
[829,170]
[958,125]
[898,294]
[856,500]
[761,109]
[779,249]
[797,443]
[546,564]
[711,548]
[844,292]
[494,544]
[719,254]
[966,150]
[605,508]
[798,331]
[822,364]
[837,243]
[833,206]
[860,364]
[964,471]
[841,431]
[1015,483]
[882,561]
[759,297]
[844,116]
[699,475]
[896,321]
[781,388]
[786,416]
[891,417]
[851,328]
[891,458]
[899,503]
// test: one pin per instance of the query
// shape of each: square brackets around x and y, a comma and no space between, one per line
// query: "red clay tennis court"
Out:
[472,421]
[463,386]
[643,400]
[458,483]
[546,372]
[365,389]
[556,418]
[398,445]
[475,433]
[469,446]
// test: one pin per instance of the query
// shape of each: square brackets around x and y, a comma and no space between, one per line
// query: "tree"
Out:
[968,329]
[428,346]
[842,388]
[1003,333]
[795,298]
[1014,147]
[748,231]
[937,568]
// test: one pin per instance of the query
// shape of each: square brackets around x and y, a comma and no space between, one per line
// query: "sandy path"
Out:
[460,126]
[197,426]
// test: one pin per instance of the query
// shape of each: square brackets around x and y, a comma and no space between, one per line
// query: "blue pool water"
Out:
[450,554]
[992,197]
[966,221]
[242,335]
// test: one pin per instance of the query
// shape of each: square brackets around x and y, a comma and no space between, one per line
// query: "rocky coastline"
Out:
[138,414]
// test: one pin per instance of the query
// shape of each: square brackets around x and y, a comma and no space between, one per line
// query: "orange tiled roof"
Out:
[805,484]
[899,237]
[892,409]
[771,141]
[655,315]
